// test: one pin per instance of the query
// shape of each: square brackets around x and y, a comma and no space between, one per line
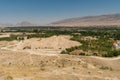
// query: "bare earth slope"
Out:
[111,19]
[23,66]
[54,44]
[33,59]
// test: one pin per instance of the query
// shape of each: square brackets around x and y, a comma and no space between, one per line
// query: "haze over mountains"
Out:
[5,25]
[24,23]
[101,20]
[106,20]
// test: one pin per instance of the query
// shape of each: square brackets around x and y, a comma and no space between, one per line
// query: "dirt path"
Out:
[109,59]
[4,35]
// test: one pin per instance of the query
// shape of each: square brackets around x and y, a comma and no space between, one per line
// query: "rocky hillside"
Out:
[106,20]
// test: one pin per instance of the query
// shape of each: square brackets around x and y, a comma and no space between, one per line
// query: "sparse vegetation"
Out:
[106,68]
[12,37]
[112,53]
[9,78]
[83,54]
[100,47]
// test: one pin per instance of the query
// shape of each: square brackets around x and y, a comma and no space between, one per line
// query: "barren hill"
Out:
[54,44]
[110,19]
[25,23]
[23,66]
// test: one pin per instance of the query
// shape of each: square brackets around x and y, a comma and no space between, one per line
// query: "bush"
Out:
[104,68]
[83,54]
[112,53]
[63,52]
[95,54]
[9,78]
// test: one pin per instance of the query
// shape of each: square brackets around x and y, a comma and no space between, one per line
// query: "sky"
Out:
[47,11]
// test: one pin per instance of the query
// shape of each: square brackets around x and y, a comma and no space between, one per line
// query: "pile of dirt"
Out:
[54,42]
[50,45]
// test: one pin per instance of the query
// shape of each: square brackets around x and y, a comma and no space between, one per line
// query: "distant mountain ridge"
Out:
[101,20]
[5,25]
[25,23]
[21,24]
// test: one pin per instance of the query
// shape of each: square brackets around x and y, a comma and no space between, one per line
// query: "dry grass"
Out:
[59,67]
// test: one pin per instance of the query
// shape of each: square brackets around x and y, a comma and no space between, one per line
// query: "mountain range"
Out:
[24,23]
[100,20]
[5,25]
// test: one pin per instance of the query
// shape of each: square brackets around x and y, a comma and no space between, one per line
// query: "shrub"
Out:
[83,54]
[112,53]
[104,68]
[95,54]
[9,78]
[65,52]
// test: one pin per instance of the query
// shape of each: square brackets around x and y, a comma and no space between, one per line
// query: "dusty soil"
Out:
[41,62]
[54,44]
[4,35]
[25,66]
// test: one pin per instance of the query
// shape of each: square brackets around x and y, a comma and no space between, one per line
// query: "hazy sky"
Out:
[46,11]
